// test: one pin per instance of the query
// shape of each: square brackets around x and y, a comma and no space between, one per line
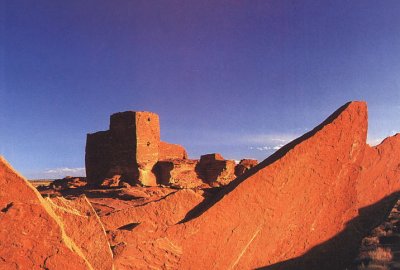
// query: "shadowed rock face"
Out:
[31,234]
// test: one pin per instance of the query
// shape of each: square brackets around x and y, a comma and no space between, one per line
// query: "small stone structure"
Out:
[131,151]
[245,165]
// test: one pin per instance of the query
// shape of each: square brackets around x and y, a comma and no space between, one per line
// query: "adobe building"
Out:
[130,148]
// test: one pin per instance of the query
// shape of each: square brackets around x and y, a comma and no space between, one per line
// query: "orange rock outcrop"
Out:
[31,234]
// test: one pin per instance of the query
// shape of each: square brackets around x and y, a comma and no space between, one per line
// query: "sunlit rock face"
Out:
[299,197]
[83,226]
[32,236]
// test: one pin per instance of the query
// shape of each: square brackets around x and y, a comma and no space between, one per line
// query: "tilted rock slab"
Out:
[299,197]
[83,225]
[31,235]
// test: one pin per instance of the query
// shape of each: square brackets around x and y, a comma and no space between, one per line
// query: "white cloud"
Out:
[267,147]
[57,173]
[65,170]
[277,147]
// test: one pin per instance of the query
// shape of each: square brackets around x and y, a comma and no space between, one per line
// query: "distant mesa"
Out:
[131,151]
[147,206]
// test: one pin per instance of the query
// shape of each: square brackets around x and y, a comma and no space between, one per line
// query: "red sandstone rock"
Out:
[380,172]
[299,197]
[84,227]
[31,234]
[171,151]
[244,165]
[179,173]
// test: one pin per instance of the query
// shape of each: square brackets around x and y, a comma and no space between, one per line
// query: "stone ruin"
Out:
[131,152]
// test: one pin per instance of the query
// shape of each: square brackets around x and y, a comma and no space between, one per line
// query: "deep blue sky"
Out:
[235,77]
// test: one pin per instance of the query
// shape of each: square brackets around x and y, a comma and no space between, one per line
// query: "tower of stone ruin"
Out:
[129,148]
